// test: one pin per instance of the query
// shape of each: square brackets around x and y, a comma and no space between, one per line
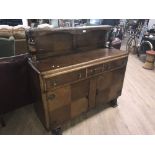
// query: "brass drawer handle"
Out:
[106,66]
[94,71]
[51,97]
[54,84]
[79,75]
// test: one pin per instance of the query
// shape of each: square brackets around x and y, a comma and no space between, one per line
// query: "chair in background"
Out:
[14,84]
[7,47]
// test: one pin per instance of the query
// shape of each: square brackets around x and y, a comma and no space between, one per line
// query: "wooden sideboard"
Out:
[72,72]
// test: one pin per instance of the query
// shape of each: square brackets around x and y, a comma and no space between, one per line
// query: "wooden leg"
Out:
[114,103]
[57,131]
[138,48]
[2,121]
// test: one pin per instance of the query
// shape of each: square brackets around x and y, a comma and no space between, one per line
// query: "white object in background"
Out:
[25,22]
[151,22]
[45,26]
[5,27]
[150,36]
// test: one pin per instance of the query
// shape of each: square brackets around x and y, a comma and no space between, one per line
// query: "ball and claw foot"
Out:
[57,131]
[114,103]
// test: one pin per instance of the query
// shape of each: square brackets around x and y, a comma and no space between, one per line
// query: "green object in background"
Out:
[7,47]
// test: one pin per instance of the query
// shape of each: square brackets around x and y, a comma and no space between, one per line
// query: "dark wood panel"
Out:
[65,78]
[102,96]
[92,93]
[117,82]
[92,39]
[84,75]
[79,106]
[58,98]
[60,116]
[104,81]
[93,70]
[55,42]
[109,85]
[79,90]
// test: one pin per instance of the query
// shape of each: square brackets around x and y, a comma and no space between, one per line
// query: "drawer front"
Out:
[65,78]
[94,70]
[114,64]
[118,63]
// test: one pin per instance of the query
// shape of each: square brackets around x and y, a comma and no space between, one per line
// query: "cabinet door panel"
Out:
[92,93]
[60,116]
[79,97]
[117,83]
[102,96]
[78,107]
[79,90]
[109,85]
[104,81]
[59,97]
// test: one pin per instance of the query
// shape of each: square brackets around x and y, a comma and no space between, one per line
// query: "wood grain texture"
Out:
[61,81]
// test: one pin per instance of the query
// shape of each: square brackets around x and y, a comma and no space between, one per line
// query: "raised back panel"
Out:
[61,41]
[91,39]
[52,42]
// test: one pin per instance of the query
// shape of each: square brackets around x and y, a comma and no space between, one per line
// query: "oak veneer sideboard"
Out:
[72,74]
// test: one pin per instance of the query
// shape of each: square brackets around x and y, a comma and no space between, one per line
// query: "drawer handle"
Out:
[54,83]
[79,75]
[107,67]
[92,71]
[51,97]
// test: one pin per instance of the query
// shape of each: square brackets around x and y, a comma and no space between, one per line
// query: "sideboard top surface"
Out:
[58,62]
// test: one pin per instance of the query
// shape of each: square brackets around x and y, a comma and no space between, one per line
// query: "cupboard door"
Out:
[109,86]
[79,90]
[79,97]
[79,106]
[103,85]
[59,98]
[117,83]
[92,93]
[59,116]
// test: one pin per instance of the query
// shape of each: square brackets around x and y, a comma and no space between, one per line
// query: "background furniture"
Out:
[14,83]
[150,58]
[7,47]
[72,72]
[11,22]
[18,32]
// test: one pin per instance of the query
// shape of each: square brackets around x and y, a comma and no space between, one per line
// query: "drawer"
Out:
[65,78]
[94,70]
[118,63]
[114,64]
